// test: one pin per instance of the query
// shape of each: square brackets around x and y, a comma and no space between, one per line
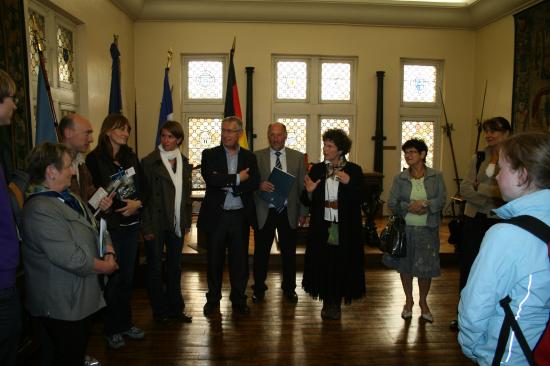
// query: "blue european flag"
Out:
[45,124]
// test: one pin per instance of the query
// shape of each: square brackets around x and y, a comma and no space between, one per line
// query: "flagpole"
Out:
[39,47]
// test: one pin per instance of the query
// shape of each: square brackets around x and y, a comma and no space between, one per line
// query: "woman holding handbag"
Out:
[418,195]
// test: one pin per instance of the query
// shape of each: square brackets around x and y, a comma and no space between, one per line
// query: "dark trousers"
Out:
[262,248]
[118,292]
[230,232]
[472,236]
[67,339]
[10,325]
[165,302]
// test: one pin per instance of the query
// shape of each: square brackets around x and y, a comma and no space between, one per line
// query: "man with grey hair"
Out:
[227,212]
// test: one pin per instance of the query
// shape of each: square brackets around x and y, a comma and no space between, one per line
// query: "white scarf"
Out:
[177,180]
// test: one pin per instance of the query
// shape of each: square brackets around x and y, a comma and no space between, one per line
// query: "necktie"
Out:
[278,164]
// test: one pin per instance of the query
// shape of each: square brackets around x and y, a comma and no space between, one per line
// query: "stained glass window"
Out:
[41,29]
[330,123]
[420,130]
[203,133]
[205,79]
[419,83]
[65,55]
[296,130]
[292,80]
[335,81]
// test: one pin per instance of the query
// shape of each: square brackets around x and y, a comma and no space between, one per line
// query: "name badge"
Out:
[130,172]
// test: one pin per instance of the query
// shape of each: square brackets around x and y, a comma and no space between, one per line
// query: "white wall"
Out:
[100,20]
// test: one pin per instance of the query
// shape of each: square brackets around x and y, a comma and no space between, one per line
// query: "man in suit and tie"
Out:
[283,219]
[226,214]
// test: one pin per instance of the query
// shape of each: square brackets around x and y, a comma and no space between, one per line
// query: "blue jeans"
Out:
[10,325]
[118,292]
[165,302]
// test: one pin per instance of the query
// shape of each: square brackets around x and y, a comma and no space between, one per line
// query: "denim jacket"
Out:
[400,195]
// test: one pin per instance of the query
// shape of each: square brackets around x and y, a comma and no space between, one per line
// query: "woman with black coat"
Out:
[114,161]
[334,260]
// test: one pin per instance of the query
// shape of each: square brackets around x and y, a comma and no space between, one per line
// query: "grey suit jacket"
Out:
[296,166]
[59,247]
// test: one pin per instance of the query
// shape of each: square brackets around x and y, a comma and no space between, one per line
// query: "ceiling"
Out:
[455,14]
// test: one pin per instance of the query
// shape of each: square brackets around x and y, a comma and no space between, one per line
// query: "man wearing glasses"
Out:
[226,214]
[10,309]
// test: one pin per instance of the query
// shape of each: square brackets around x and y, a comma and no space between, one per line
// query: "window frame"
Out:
[314,109]
[353,78]
[422,111]
[66,96]
[185,59]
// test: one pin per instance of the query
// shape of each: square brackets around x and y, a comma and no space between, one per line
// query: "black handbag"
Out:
[393,239]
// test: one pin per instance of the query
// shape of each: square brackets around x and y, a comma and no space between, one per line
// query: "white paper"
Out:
[130,172]
[102,231]
[97,197]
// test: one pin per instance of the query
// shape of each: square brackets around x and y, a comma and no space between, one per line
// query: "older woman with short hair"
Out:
[334,260]
[418,194]
[61,256]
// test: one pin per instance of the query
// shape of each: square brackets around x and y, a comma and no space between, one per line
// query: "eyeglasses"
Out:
[14,98]
[228,130]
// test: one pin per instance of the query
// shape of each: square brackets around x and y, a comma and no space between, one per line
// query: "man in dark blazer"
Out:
[283,219]
[226,214]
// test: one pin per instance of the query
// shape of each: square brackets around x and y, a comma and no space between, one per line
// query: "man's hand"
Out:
[267,186]
[149,237]
[301,220]
[244,175]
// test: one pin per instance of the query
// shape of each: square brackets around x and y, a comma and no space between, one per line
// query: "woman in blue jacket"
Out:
[511,262]
[418,195]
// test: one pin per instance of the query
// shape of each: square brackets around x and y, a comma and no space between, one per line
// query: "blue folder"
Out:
[283,182]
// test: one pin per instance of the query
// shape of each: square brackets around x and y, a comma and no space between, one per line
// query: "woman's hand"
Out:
[342,176]
[309,184]
[131,208]
[110,264]
[106,202]
[419,207]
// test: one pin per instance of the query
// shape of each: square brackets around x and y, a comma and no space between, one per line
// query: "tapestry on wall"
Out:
[15,140]
[531,98]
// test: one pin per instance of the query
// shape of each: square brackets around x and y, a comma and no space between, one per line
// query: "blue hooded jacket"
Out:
[511,262]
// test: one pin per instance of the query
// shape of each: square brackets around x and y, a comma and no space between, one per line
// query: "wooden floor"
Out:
[370,332]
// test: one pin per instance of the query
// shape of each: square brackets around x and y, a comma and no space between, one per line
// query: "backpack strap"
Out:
[541,231]
[510,322]
[534,226]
